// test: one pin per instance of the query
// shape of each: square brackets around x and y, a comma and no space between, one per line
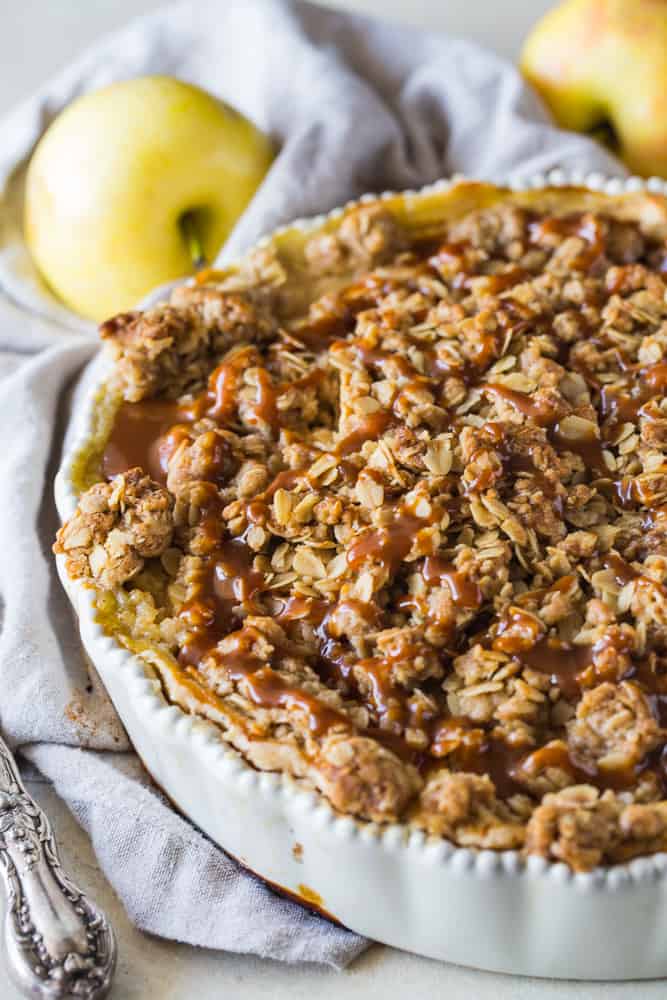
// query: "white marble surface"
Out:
[37,37]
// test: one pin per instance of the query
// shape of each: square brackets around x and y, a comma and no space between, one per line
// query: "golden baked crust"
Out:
[390,500]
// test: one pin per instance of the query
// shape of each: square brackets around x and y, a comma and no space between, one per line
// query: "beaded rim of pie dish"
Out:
[212,749]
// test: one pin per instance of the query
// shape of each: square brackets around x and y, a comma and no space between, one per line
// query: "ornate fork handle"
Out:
[58,943]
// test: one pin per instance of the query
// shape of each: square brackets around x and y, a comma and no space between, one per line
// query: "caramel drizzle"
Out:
[370,428]
[581,224]
[465,592]
[148,433]
[389,545]
[625,573]
[266,688]
[618,405]
[542,413]
[228,582]
[228,588]
[581,772]
[142,435]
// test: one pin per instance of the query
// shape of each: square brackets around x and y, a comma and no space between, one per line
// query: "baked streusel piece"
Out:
[388,504]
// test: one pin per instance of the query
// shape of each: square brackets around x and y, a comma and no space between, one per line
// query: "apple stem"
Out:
[605,133]
[188,225]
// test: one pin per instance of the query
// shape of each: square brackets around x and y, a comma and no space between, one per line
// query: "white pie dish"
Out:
[490,910]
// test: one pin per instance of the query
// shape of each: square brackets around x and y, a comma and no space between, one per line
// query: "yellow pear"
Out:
[123,176]
[601,66]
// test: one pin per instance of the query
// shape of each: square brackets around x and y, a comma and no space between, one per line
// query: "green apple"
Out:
[601,66]
[123,178]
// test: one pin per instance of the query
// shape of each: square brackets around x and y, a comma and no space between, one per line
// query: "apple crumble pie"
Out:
[390,508]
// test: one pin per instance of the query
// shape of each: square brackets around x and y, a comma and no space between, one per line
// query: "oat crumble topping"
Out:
[397,513]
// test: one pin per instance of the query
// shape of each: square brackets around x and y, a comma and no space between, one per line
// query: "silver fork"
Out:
[58,943]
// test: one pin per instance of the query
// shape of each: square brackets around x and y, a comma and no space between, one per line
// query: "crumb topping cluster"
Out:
[406,537]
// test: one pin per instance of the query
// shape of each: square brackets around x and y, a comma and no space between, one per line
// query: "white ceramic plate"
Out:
[490,910]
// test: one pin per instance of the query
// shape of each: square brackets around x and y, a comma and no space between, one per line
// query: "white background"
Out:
[38,37]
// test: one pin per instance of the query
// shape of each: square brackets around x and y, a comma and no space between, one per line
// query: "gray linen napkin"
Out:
[355,106]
